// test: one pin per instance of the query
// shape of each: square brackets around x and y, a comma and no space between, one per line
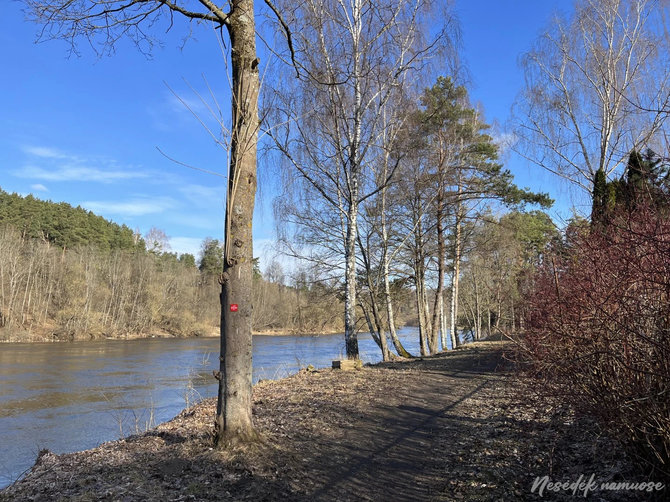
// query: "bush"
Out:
[598,330]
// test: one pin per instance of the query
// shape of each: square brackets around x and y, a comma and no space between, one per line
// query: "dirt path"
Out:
[395,446]
[443,428]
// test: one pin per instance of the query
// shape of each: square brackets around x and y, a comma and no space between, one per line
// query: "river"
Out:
[73,396]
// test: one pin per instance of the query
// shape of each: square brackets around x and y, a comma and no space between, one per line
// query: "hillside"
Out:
[69,274]
[63,225]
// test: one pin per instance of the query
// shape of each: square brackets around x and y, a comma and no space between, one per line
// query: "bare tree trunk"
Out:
[437,308]
[443,324]
[391,319]
[423,346]
[426,311]
[377,335]
[381,332]
[377,330]
[478,308]
[499,303]
[350,335]
[420,283]
[233,412]
[457,270]
[385,272]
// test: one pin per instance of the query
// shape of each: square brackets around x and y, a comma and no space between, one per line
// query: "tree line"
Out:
[428,188]
[65,286]
[64,226]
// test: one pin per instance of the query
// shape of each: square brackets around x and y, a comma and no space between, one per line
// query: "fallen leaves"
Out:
[450,427]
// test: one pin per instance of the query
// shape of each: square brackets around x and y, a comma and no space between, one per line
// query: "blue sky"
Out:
[85,130]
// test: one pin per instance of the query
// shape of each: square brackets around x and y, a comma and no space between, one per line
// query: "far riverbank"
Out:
[50,336]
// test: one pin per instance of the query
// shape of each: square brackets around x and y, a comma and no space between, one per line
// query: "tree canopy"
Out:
[63,225]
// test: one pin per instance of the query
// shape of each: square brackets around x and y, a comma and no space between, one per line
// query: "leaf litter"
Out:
[456,426]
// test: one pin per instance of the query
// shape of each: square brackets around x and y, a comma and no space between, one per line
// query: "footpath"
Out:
[456,426]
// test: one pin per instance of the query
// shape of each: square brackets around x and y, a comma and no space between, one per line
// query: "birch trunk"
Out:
[350,335]
[443,324]
[421,300]
[457,270]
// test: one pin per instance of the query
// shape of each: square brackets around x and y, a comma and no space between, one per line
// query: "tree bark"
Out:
[437,307]
[350,335]
[478,308]
[377,330]
[457,271]
[443,324]
[390,315]
[233,414]
[420,282]
[385,272]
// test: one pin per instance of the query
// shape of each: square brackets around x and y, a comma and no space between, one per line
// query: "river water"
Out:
[73,396]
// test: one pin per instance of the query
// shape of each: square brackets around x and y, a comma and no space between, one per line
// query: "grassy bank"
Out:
[448,427]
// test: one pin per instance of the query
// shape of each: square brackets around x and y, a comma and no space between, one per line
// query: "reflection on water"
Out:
[73,396]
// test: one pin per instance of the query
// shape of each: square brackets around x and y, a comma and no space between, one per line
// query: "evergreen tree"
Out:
[646,179]
[187,259]
[600,196]
[63,225]
[211,257]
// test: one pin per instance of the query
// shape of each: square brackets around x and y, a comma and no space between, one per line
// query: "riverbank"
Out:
[51,336]
[448,427]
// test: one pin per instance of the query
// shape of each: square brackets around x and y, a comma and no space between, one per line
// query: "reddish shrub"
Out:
[597,332]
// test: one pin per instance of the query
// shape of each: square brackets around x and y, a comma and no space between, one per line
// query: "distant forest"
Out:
[67,273]
[64,226]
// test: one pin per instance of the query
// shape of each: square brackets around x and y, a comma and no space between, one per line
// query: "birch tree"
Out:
[585,77]
[102,24]
[352,55]
[380,219]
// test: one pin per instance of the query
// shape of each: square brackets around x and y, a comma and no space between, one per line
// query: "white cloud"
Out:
[50,164]
[77,173]
[505,141]
[182,245]
[205,196]
[45,152]
[137,206]
[38,187]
